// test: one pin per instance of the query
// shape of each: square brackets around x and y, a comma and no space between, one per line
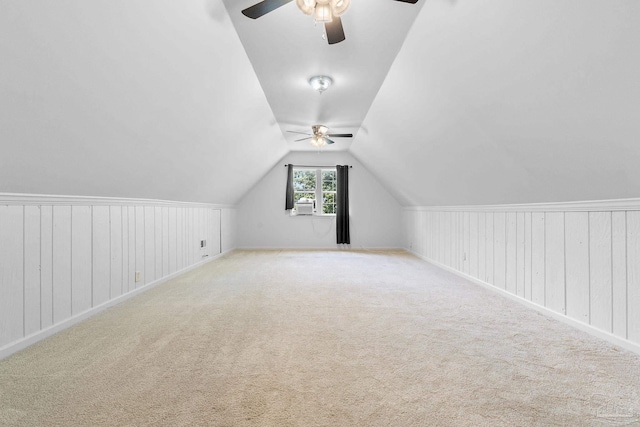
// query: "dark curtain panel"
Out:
[342,205]
[288,204]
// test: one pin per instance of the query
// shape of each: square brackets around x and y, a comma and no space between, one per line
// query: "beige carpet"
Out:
[283,338]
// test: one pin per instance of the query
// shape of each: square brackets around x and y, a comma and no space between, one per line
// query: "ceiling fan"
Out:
[319,137]
[327,11]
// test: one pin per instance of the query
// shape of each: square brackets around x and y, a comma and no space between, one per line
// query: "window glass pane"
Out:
[328,180]
[329,209]
[304,180]
[329,203]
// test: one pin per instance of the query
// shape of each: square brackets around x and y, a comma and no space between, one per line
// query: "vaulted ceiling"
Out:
[451,101]
[502,101]
[286,48]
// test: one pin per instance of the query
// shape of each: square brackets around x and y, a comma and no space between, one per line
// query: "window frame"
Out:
[318,191]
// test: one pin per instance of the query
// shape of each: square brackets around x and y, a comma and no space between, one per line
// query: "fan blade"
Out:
[303,139]
[264,7]
[329,141]
[340,135]
[409,1]
[301,133]
[335,33]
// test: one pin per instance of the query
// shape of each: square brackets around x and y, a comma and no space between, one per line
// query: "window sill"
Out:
[315,215]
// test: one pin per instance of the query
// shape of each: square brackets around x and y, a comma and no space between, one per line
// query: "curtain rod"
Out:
[315,166]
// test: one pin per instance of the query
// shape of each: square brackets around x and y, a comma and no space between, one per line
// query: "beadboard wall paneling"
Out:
[83,285]
[46,268]
[577,265]
[579,262]
[101,254]
[62,263]
[32,291]
[633,276]
[66,258]
[619,272]
[11,274]
[600,271]
[116,238]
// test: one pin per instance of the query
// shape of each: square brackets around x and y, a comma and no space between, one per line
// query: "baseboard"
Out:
[328,248]
[27,341]
[613,339]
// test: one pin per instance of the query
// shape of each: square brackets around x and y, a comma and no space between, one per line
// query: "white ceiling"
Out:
[286,48]
[452,101]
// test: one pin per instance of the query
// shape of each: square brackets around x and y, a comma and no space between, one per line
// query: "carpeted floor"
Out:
[312,338]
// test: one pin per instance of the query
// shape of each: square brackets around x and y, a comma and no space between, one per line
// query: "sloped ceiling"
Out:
[485,101]
[286,48]
[130,98]
[502,101]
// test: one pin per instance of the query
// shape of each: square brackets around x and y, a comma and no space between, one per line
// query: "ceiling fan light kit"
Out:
[319,130]
[306,6]
[323,13]
[320,136]
[318,141]
[323,10]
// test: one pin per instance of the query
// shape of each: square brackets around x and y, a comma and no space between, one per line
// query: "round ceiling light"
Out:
[320,83]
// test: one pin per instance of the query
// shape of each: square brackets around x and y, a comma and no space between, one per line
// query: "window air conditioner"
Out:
[306,206]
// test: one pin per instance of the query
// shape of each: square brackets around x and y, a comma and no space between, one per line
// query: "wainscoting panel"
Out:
[600,271]
[633,276]
[11,273]
[61,263]
[65,258]
[619,272]
[538,258]
[101,250]
[577,265]
[489,249]
[32,296]
[46,268]
[157,240]
[149,244]
[511,252]
[130,283]
[82,251]
[576,261]
[117,253]
[500,250]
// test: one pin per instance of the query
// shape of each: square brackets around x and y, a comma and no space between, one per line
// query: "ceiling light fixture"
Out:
[323,10]
[318,141]
[320,83]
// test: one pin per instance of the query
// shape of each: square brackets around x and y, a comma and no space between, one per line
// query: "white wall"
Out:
[65,258]
[501,101]
[374,214]
[579,262]
[130,98]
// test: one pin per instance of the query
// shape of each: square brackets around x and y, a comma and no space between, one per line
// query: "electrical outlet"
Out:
[203,243]
[137,276]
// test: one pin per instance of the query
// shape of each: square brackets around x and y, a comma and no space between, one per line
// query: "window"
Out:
[329,187]
[305,185]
